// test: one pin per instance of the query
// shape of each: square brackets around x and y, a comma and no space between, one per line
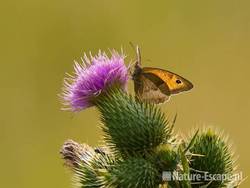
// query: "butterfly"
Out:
[156,85]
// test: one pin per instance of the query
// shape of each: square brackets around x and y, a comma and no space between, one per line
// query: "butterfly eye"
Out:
[178,81]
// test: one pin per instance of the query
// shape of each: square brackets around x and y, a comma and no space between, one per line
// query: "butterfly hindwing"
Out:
[149,87]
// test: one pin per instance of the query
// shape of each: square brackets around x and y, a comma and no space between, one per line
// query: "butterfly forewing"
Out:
[175,83]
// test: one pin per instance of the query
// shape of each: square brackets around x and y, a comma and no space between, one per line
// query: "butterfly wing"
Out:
[149,87]
[174,82]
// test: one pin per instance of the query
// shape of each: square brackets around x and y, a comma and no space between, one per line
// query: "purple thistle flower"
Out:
[92,77]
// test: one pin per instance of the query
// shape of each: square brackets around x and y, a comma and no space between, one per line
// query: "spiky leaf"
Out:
[135,173]
[216,159]
[132,127]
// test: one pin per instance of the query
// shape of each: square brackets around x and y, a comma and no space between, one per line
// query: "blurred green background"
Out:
[207,42]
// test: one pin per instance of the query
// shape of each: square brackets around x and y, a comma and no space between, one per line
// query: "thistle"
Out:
[140,148]
[215,158]
[93,77]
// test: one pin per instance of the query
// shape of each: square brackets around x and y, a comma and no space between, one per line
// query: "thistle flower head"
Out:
[93,77]
[76,154]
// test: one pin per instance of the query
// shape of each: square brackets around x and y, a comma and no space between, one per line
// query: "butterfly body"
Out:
[157,85]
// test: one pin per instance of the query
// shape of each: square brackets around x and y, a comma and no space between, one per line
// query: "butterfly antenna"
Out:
[138,53]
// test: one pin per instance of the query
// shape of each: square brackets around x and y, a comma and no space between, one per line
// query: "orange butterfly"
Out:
[157,85]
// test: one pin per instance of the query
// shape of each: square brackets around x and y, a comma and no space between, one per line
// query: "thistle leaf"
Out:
[131,127]
[135,173]
[216,158]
